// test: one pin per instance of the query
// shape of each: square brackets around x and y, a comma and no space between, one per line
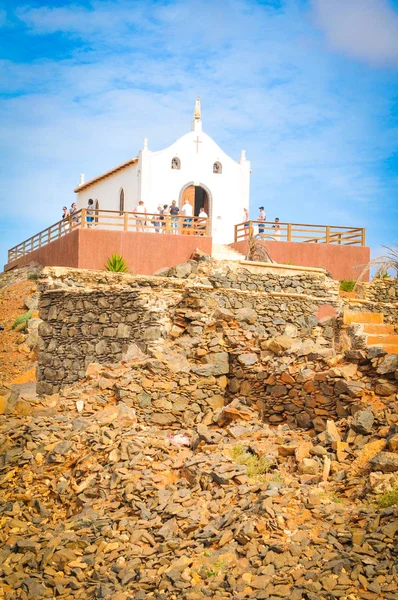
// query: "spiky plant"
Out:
[116,264]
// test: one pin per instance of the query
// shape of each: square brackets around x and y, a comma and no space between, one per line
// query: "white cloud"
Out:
[311,135]
[363,29]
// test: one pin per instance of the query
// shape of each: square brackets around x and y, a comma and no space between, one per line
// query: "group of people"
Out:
[69,215]
[159,219]
[262,217]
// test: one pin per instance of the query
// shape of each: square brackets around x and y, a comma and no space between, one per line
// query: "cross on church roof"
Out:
[197,142]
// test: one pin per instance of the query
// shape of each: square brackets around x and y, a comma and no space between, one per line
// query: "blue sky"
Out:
[309,88]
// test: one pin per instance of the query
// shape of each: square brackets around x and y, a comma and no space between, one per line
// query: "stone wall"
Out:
[95,316]
[379,290]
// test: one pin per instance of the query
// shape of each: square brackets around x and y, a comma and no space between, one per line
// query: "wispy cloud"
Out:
[363,29]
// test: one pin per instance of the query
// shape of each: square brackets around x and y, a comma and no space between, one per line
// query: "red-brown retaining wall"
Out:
[145,253]
[343,262]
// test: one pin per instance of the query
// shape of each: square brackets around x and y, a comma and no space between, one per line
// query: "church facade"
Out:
[193,168]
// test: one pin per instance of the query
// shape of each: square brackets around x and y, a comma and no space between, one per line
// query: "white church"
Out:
[194,167]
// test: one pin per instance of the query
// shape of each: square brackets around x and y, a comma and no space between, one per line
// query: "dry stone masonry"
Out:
[89,317]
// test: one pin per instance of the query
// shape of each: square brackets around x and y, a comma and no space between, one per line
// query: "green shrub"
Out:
[116,264]
[347,285]
[256,467]
[33,276]
[388,499]
[20,322]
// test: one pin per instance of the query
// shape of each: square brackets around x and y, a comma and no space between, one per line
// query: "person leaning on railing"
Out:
[73,210]
[65,219]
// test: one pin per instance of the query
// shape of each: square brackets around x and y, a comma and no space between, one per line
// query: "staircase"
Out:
[373,330]
[223,252]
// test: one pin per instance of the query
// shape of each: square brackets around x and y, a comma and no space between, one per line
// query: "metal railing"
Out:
[115,221]
[300,232]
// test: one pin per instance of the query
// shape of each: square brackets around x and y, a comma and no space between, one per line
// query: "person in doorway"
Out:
[276,234]
[187,211]
[140,210]
[261,217]
[202,223]
[90,212]
[174,212]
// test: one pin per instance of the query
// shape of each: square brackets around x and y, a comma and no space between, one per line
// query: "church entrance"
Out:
[198,197]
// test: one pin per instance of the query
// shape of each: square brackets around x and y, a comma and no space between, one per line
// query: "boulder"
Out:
[388,364]
[363,422]
[386,462]
[385,389]
[332,433]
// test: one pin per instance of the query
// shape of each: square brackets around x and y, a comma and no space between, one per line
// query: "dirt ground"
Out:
[17,363]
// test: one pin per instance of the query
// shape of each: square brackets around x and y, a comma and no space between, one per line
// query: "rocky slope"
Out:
[110,491]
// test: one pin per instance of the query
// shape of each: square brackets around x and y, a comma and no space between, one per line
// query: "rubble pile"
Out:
[146,480]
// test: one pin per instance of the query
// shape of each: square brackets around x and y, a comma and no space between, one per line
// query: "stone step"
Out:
[362,317]
[375,340]
[378,329]
[224,252]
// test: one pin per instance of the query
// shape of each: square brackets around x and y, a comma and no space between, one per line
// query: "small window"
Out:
[175,163]
[121,201]
[217,168]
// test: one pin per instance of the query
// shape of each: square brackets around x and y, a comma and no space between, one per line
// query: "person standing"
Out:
[246,221]
[90,212]
[261,217]
[156,218]
[65,219]
[140,210]
[202,224]
[174,212]
[187,211]
[164,214]
[72,212]
[277,230]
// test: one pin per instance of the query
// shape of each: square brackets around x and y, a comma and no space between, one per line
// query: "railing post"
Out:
[363,237]
[289,232]
[167,218]
[208,227]
[84,224]
[125,221]
[250,229]
[327,234]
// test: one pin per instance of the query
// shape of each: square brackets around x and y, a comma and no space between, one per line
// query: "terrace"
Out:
[87,240]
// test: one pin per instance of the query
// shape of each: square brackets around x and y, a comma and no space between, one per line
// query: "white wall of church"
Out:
[107,190]
[229,190]
[153,180]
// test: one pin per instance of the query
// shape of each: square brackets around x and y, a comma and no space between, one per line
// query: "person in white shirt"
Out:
[261,217]
[140,210]
[187,211]
[202,224]
[276,234]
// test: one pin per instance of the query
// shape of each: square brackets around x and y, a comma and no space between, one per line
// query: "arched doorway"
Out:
[197,195]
